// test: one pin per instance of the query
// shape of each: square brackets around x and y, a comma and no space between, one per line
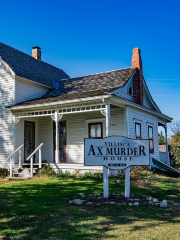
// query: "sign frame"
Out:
[117,167]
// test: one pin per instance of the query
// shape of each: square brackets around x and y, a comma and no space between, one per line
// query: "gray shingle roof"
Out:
[87,86]
[28,67]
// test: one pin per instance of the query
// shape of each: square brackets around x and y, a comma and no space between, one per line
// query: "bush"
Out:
[65,175]
[97,175]
[139,172]
[3,172]
[47,170]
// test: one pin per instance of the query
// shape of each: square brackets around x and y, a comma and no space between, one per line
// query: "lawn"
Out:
[39,209]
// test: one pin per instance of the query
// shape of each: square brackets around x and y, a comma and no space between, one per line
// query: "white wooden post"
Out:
[167,151]
[57,137]
[127,171]
[127,182]
[40,159]
[31,166]
[19,158]
[11,162]
[105,169]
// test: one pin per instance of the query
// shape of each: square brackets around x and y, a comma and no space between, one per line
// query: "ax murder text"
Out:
[117,151]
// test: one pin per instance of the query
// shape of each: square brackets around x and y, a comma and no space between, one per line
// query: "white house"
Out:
[40,103]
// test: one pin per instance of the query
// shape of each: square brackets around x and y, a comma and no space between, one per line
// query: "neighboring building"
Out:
[37,98]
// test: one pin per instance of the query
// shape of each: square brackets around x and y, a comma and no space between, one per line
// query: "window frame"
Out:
[95,123]
[151,151]
[136,123]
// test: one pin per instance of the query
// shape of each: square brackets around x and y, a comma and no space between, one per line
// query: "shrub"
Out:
[47,170]
[3,172]
[139,172]
[65,175]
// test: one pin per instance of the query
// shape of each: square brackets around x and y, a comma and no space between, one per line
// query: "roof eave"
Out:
[58,102]
[127,102]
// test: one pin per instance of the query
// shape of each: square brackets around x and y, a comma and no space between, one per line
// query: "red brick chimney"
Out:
[138,77]
[36,53]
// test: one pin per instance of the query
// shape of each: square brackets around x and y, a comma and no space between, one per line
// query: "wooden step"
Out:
[16,178]
[35,165]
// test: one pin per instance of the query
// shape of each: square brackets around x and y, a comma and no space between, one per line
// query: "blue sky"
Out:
[86,37]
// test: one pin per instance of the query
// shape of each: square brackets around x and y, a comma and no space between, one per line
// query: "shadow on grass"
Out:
[41,210]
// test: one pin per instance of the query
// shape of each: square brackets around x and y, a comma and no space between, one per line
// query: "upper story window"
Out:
[151,142]
[130,90]
[95,130]
[138,130]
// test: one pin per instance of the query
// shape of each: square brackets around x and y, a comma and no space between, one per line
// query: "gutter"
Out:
[58,102]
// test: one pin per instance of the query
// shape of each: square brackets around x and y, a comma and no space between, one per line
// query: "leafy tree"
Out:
[175,142]
[161,138]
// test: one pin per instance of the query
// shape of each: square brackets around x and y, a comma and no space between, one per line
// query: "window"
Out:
[151,143]
[95,130]
[138,130]
[130,91]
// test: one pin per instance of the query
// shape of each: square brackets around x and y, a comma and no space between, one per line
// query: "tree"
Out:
[175,142]
[161,138]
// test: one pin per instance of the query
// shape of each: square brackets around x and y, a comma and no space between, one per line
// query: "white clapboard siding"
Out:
[123,91]
[78,130]
[20,137]
[6,118]
[145,120]
[26,90]
[147,101]
[45,134]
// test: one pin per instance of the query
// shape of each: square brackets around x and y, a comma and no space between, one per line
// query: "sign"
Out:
[116,152]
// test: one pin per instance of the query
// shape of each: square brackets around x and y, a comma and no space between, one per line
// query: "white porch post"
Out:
[127,171]
[105,169]
[167,151]
[57,137]
[56,117]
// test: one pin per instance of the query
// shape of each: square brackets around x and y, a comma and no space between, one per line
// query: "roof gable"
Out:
[90,85]
[148,100]
[28,67]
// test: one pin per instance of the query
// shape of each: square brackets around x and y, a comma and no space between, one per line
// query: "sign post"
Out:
[116,153]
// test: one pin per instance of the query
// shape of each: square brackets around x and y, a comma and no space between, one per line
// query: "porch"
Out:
[62,130]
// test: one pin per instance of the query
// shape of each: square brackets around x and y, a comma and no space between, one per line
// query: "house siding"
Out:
[78,130]
[145,120]
[27,90]
[6,118]
[123,91]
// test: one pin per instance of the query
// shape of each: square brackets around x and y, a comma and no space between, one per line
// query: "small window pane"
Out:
[151,142]
[95,130]
[138,131]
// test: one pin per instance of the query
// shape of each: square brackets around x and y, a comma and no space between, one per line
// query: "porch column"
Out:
[127,170]
[167,151]
[105,169]
[56,118]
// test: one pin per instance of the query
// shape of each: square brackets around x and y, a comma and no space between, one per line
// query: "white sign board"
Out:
[116,152]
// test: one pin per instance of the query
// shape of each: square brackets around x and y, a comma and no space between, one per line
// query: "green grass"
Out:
[39,209]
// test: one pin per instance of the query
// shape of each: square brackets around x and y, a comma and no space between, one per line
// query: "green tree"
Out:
[161,138]
[175,142]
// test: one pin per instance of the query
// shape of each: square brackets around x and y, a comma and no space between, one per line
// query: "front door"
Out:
[62,140]
[29,139]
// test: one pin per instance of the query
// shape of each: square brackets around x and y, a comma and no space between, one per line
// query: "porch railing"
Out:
[31,157]
[11,159]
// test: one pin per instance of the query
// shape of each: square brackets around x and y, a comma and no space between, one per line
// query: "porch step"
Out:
[35,165]
[16,178]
